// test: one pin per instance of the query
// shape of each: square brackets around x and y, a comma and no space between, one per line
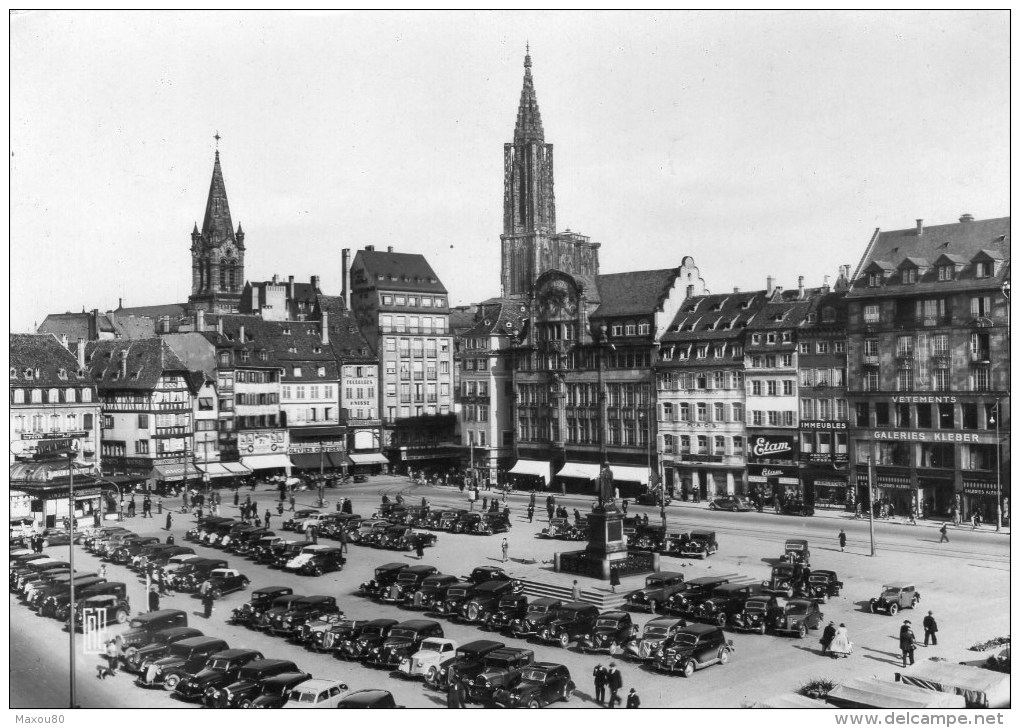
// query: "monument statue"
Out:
[606,492]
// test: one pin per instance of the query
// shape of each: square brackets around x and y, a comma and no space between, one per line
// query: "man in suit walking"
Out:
[907,642]
[931,629]
[600,675]
[615,680]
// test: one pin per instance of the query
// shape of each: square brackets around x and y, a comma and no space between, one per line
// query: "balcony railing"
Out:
[171,431]
[171,406]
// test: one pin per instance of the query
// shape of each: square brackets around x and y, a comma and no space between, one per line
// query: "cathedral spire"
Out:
[529,119]
[216,225]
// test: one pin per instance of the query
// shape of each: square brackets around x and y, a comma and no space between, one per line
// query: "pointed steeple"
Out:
[216,225]
[529,118]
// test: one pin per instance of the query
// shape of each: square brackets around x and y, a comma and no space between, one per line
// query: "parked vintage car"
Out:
[455,596]
[403,640]
[60,589]
[204,527]
[821,585]
[502,668]
[611,628]
[186,656]
[225,581]
[302,610]
[369,531]
[648,538]
[729,503]
[726,600]
[447,519]
[894,597]
[190,576]
[365,699]
[110,608]
[658,588]
[339,523]
[159,647]
[467,523]
[260,600]
[299,515]
[140,560]
[316,694]
[431,589]
[264,551]
[220,670]
[311,632]
[59,605]
[799,616]
[652,498]
[369,636]
[540,612]
[275,691]
[407,583]
[796,551]
[279,605]
[329,638]
[760,613]
[796,508]
[541,684]
[510,607]
[286,552]
[160,558]
[482,574]
[693,648]
[466,664]
[653,635]
[245,538]
[572,621]
[143,628]
[701,543]
[241,692]
[385,575]
[563,530]
[316,560]
[127,550]
[484,600]
[433,654]
[786,577]
[493,523]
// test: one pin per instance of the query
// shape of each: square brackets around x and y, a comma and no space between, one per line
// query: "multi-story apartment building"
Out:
[147,394]
[278,300]
[701,396]
[54,406]
[929,368]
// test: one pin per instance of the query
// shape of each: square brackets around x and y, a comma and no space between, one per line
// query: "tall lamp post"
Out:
[996,417]
[871,503]
[70,562]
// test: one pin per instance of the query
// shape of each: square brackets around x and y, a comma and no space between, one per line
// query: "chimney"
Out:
[389,248]
[966,217]
[94,325]
[800,286]
[63,341]
[315,284]
[770,281]
[345,264]
[240,334]
[690,291]
[736,290]
[200,320]
[123,363]
[290,288]
[325,328]
[81,353]
[370,248]
[120,303]
[920,227]
[825,283]
[276,279]
[166,324]
[219,326]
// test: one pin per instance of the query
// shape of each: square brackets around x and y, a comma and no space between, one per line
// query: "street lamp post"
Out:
[871,503]
[996,416]
[70,562]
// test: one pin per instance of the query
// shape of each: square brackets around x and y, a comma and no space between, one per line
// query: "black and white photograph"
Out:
[333,386]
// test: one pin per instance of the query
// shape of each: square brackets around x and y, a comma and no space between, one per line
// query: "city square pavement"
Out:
[965,583]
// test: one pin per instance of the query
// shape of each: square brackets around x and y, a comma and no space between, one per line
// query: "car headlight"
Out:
[442,671]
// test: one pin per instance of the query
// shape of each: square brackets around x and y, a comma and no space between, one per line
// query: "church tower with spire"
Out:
[217,253]
[530,244]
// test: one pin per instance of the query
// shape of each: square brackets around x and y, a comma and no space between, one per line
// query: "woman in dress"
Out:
[841,646]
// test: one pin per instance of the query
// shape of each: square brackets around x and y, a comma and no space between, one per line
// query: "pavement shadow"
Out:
[897,663]
[863,606]
[586,697]
[881,652]
[771,561]
[810,650]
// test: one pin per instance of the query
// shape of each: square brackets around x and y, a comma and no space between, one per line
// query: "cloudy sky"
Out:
[759,143]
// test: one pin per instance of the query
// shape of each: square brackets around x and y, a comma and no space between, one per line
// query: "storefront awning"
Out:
[174,471]
[237,468]
[629,474]
[369,458]
[266,462]
[310,462]
[317,432]
[539,468]
[214,470]
[338,459]
[46,471]
[587,471]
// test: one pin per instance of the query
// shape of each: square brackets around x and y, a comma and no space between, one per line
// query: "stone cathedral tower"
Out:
[217,253]
[530,244]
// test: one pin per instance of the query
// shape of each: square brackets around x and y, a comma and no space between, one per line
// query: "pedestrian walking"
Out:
[348,506]
[531,513]
[506,550]
[207,598]
[841,646]
[112,655]
[154,598]
[455,693]
[625,504]
[531,499]
[614,680]
[600,674]
[485,503]
[146,508]
[170,540]
[552,510]
[169,520]
[101,572]
[827,636]
[268,514]
[237,497]
[842,540]
[291,502]
[614,578]
[576,592]
[314,531]
[931,629]
[633,701]
[945,535]
[419,549]
[907,643]
[974,520]
[279,509]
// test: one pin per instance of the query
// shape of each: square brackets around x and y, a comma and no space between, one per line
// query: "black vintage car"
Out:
[260,600]
[799,616]
[693,648]
[316,560]
[447,519]
[684,602]
[648,538]
[729,503]
[301,611]
[190,576]
[184,657]
[385,575]
[161,557]
[658,588]
[127,550]
[502,668]
[403,641]
[571,622]
[785,579]
[467,523]
[563,530]
[368,699]
[284,553]
[701,544]
[655,632]
[246,687]
[299,516]
[540,684]
[431,589]
[509,608]
[111,608]
[407,583]
[58,605]
[821,584]
[142,630]
[759,614]
[261,552]
[245,538]
[540,612]
[205,526]
[278,606]
[492,523]
[274,691]
[466,664]
[482,574]
[895,596]
[484,600]
[60,589]
[797,508]
[726,600]
[455,596]
[159,646]
[220,670]
[226,581]
[796,551]
[338,522]
[313,633]
[611,628]
[367,637]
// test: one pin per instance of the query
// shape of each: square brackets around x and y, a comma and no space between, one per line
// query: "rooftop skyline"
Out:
[758,143]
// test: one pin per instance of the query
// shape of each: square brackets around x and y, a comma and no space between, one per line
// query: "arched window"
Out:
[69,395]
[231,272]
[208,275]
[19,423]
[19,396]
[54,423]
[53,396]
[72,423]
[37,423]
[223,274]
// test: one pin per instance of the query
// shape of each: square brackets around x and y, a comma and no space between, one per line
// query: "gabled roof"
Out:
[345,337]
[146,361]
[951,259]
[881,265]
[500,316]
[42,353]
[985,254]
[912,261]
[633,293]
[155,312]
[714,317]
[399,271]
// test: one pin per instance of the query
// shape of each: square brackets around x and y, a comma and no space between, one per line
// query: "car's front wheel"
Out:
[893,609]
[171,682]
[432,676]
[652,606]
[721,620]
[564,640]
[872,607]
[244,703]
[802,631]
[568,690]
[688,669]
[534,704]
[122,616]
[724,657]
[761,629]
[823,598]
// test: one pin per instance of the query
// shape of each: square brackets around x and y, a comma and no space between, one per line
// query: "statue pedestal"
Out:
[605,534]
[607,547]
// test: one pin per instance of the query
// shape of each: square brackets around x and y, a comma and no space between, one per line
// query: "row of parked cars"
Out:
[699,543]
